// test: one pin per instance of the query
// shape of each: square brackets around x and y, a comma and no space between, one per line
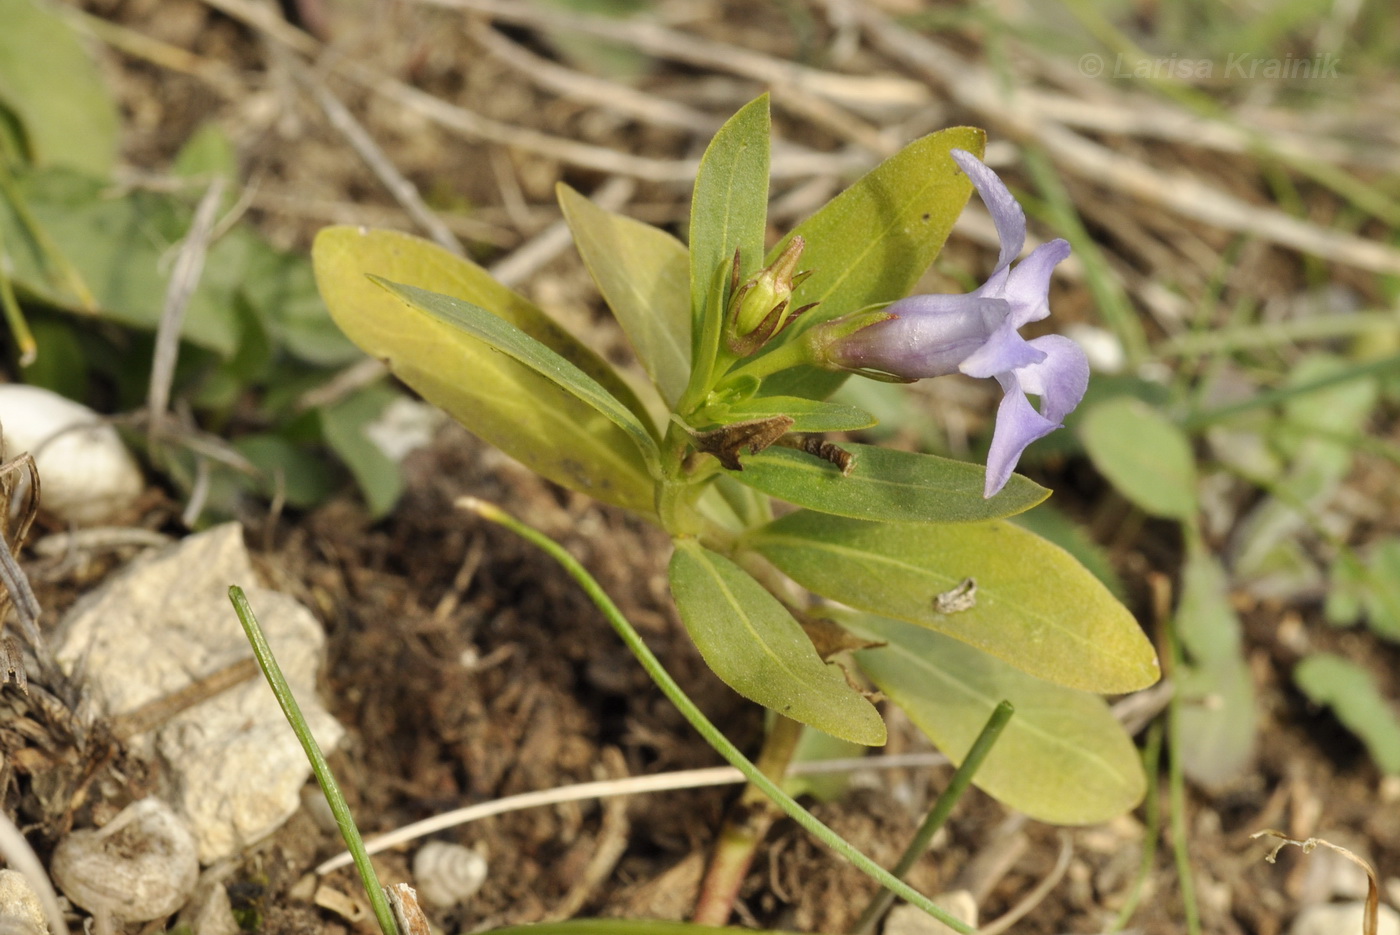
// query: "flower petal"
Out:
[1060,379]
[1028,284]
[1018,424]
[1006,212]
[1002,352]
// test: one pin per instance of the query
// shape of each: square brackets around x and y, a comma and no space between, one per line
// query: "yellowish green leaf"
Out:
[1063,758]
[872,242]
[756,647]
[644,276]
[1033,606]
[524,414]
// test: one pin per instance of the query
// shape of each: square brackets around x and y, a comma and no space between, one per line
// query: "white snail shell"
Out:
[447,874]
[139,866]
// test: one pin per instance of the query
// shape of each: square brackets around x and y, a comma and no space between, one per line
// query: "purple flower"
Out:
[976,334]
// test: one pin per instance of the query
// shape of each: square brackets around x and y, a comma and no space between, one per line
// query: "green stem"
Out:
[746,826]
[1274,397]
[1152,820]
[1273,334]
[702,724]
[962,778]
[283,693]
[1176,790]
[783,357]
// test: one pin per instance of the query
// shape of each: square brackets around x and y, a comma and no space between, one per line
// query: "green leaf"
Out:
[117,246]
[1218,721]
[817,747]
[1047,522]
[729,206]
[873,242]
[1036,607]
[1146,456]
[756,648]
[290,470]
[502,336]
[1382,589]
[1352,693]
[344,425]
[48,80]
[528,416]
[644,276]
[808,415]
[1063,758]
[887,485]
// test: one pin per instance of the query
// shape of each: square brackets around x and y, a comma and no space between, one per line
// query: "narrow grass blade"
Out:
[283,692]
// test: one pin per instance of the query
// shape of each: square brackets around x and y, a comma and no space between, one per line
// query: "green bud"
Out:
[762,305]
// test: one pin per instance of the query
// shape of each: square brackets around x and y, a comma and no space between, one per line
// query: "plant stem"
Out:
[702,724]
[942,808]
[745,827]
[1152,821]
[1176,792]
[283,693]
[787,355]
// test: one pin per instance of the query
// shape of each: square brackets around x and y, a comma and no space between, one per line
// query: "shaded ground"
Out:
[466,667]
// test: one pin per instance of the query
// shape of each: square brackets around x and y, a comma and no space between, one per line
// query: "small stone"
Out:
[86,475]
[1342,919]
[905,919]
[21,913]
[139,866]
[210,912]
[164,621]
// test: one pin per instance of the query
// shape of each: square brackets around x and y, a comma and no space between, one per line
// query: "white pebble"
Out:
[1341,919]
[20,910]
[86,475]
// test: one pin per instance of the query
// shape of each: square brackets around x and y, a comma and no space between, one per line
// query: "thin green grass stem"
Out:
[1274,334]
[1152,819]
[283,693]
[942,808]
[1176,789]
[1383,365]
[702,724]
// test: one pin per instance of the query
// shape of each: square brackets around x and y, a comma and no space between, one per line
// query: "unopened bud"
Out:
[762,305]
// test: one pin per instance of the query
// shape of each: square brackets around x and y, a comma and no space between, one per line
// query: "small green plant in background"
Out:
[948,609]
[86,268]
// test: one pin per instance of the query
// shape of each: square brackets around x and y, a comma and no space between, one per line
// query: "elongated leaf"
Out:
[808,415]
[1218,720]
[52,85]
[1063,758]
[729,206]
[755,646]
[1035,606]
[1382,589]
[1353,695]
[509,405]
[887,485]
[1146,456]
[872,242]
[502,336]
[644,276]
[344,425]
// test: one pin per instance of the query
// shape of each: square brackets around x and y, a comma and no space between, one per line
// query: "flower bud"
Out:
[762,305]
